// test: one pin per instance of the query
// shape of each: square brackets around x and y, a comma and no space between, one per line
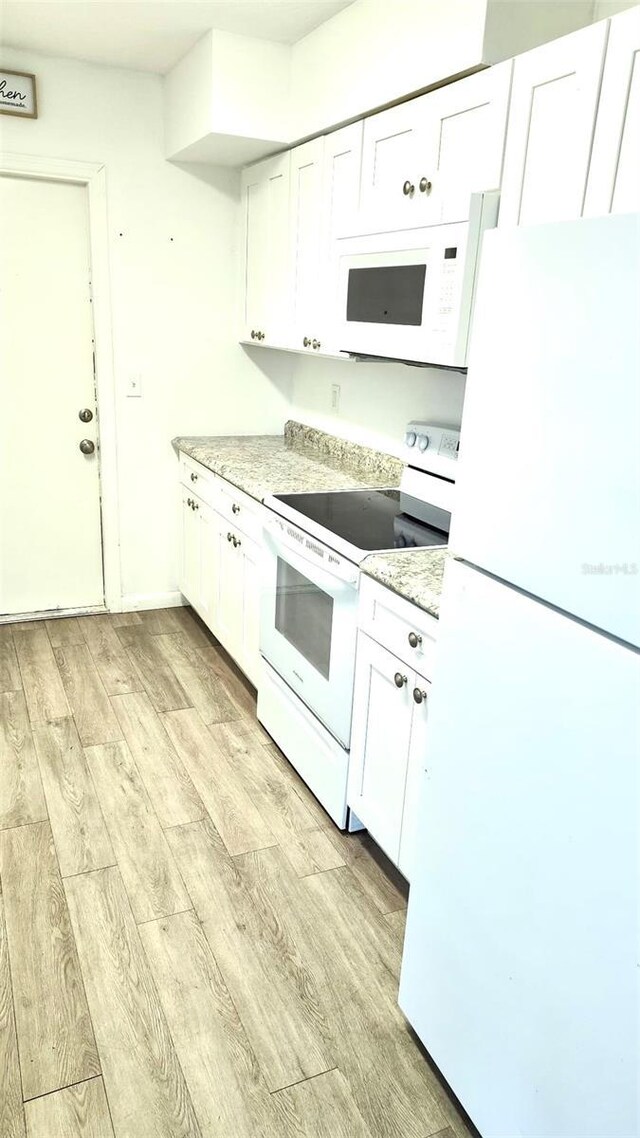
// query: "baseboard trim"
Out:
[132,602]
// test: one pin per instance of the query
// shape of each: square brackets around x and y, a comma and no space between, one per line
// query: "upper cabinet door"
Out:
[614,174]
[341,166]
[470,121]
[267,292]
[254,205]
[306,244]
[397,152]
[554,98]
[422,160]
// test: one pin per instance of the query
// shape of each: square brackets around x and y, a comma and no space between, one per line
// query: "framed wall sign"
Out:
[18,94]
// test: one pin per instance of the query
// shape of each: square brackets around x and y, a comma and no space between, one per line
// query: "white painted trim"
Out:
[50,614]
[134,601]
[93,176]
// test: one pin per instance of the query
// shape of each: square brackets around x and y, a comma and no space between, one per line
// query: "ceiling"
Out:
[148,35]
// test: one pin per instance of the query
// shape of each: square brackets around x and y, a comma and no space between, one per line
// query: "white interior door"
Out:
[50,531]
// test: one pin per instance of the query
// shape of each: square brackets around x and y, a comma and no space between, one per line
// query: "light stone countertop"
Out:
[415,574]
[303,459]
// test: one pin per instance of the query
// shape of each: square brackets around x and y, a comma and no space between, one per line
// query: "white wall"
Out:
[174,263]
[604,8]
[376,399]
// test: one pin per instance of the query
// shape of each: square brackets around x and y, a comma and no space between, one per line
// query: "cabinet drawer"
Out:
[196,477]
[238,508]
[395,624]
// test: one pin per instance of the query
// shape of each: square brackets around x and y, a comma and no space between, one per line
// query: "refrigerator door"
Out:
[548,484]
[520,967]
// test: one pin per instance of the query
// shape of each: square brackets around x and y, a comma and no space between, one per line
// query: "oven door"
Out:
[308,631]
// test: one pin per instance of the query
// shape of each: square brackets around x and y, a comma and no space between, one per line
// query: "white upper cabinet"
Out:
[554,97]
[423,159]
[614,174]
[341,167]
[267,282]
[325,187]
[306,244]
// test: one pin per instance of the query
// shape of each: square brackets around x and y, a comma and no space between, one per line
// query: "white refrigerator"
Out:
[521,963]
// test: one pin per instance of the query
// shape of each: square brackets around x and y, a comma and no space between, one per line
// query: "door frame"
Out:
[94,177]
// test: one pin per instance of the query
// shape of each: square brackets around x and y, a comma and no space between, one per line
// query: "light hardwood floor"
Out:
[188,946]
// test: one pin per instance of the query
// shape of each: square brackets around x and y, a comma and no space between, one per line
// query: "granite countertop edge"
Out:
[416,575]
[302,459]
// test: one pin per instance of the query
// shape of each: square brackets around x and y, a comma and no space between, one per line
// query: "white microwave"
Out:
[408,295]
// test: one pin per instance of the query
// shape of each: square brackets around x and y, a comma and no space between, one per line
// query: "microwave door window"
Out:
[304,616]
[388,294]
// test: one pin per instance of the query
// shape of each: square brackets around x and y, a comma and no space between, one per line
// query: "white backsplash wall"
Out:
[376,399]
[174,241]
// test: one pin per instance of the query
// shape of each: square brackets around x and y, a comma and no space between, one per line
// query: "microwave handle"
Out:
[333,583]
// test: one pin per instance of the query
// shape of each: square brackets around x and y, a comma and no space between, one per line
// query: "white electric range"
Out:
[314,544]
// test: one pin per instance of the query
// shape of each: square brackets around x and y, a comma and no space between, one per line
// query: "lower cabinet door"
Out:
[415,775]
[251,591]
[379,757]
[208,552]
[229,590]
[190,554]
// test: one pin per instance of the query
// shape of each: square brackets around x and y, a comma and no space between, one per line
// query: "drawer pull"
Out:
[194,477]
[399,680]
[414,639]
[419,696]
[235,509]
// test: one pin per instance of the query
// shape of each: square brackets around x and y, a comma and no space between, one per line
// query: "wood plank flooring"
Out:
[188,946]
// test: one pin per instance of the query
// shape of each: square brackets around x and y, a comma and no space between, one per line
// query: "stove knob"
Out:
[410,438]
[423,442]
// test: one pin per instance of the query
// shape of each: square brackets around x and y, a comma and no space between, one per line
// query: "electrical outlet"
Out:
[335,396]
[134,386]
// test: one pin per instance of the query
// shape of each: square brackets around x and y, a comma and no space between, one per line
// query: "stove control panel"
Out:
[431,448]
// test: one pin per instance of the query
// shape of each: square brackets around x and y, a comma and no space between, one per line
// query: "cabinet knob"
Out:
[260,335]
[236,543]
[414,639]
[424,185]
[306,343]
[229,537]
[419,696]
[253,334]
[189,501]
[195,506]
[399,680]
[194,477]
[235,508]
[408,188]
[316,344]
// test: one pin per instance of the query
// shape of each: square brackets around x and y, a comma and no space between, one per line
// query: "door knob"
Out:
[399,680]
[85,416]
[87,447]
[424,185]
[419,696]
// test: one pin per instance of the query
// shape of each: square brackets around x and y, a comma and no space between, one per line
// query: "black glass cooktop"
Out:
[370,519]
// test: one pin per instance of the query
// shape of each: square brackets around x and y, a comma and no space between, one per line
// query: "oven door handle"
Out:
[333,583]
